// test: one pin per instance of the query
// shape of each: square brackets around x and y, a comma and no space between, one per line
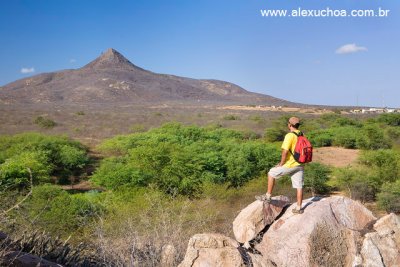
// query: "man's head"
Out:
[294,122]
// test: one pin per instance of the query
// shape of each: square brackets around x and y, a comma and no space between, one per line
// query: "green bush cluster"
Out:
[369,136]
[58,212]
[372,180]
[392,119]
[316,176]
[275,134]
[231,117]
[177,159]
[358,183]
[389,197]
[44,156]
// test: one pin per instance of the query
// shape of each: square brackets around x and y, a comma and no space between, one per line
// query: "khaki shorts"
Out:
[296,174]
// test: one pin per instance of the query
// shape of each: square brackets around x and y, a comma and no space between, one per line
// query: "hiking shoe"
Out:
[296,211]
[264,198]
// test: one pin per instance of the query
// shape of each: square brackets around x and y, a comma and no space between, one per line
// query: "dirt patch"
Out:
[335,156]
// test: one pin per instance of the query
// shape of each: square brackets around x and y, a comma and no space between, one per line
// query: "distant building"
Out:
[375,110]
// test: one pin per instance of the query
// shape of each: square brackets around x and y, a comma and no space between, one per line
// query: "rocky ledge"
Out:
[333,231]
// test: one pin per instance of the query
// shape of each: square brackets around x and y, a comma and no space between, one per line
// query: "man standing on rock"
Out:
[288,166]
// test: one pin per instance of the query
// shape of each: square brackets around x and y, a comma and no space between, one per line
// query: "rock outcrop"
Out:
[382,247]
[252,219]
[212,250]
[333,231]
[326,234]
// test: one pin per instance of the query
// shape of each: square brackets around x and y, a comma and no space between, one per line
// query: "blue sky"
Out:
[314,60]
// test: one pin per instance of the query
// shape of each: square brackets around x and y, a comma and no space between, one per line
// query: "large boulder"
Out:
[212,250]
[256,216]
[326,234]
[330,232]
[382,247]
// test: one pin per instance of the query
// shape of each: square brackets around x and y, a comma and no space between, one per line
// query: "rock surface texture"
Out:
[382,247]
[326,234]
[333,231]
[212,250]
[252,219]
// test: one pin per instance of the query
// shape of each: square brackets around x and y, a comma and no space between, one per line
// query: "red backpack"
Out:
[303,149]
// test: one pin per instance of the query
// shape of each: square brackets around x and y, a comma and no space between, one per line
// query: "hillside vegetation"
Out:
[163,185]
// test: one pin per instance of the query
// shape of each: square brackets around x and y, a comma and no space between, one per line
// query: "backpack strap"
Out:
[296,134]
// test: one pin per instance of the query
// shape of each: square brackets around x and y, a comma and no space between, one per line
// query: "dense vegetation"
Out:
[44,156]
[178,159]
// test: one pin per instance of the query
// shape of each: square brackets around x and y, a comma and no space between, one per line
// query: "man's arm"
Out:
[283,157]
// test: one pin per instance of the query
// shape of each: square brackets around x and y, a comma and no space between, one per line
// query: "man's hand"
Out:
[283,157]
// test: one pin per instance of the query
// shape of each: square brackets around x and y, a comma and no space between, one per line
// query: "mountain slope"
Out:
[111,78]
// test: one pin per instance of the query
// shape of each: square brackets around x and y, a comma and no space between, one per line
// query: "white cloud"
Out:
[350,48]
[72,60]
[27,70]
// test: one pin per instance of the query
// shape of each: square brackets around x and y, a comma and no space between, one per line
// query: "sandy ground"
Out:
[335,156]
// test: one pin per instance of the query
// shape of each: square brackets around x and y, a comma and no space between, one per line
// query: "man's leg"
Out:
[271,182]
[299,197]
[297,182]
[274,173]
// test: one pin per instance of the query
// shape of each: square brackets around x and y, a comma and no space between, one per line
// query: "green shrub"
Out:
[372,137]
[44,155]
[71,157]
[321,138]
[231,118]
[248,160]
[315,177]
[14,171]
[344,121]
[328,119]
[178,159]
[114,173]
[393,133]
[389,197]
[392,119]
[274,134]
[45,122]
[345,137]
[54,210]
[385,164]
[359,183]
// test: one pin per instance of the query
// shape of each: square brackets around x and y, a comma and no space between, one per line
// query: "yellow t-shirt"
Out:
[289,144]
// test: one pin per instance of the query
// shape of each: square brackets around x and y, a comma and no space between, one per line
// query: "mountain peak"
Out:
[111,58]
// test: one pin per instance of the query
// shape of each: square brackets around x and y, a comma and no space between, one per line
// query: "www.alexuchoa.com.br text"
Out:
[326,12]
